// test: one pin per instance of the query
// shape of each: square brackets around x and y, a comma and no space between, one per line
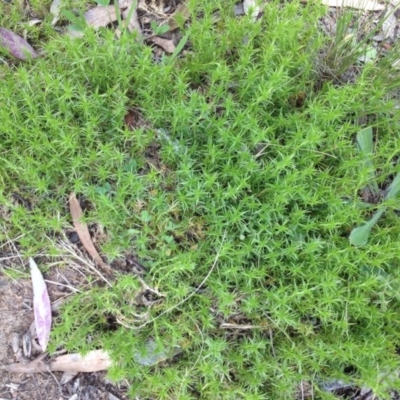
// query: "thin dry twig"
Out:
[261,152]
[18,255]
[191,294]
[227,325]
[82,260]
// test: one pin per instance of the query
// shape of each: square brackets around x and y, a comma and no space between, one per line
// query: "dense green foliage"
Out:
[261,168]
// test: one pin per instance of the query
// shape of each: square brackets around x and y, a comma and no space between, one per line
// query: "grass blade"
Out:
[394,188]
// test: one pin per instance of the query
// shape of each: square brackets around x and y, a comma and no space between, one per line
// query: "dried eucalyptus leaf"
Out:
[16,45]
[41,305]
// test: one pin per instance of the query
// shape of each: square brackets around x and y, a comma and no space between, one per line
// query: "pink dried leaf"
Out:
[16,45]
[41,305]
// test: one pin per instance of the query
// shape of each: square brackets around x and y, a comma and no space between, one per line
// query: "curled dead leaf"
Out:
[166,44]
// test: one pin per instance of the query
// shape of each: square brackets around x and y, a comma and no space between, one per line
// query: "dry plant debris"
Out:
[83,233]
[100,16]
[16,45]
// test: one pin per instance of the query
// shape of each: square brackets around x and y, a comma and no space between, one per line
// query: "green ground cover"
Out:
[261,179]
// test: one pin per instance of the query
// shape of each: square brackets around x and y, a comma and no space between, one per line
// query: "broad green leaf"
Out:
[369,55]
[71,17]
[75,28]
[365,141]
[359,236]
[366,145]
[394,188]
[153,25]
[103,2]
[159,30]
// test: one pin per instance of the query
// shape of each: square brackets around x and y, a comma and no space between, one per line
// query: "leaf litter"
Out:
[98,21]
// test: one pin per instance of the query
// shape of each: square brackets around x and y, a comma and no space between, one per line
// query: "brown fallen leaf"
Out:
[83,233]
[166,44]
[100,16]
[96,360]
[133,23]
